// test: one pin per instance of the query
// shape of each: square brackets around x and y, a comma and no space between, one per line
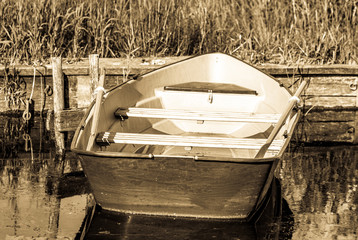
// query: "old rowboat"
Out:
[198,138]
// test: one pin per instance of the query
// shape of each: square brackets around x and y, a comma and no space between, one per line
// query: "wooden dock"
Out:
[330,102]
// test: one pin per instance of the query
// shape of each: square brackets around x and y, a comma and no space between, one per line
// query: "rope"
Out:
[27,115]
[33,84]
[295,98]
[98,89]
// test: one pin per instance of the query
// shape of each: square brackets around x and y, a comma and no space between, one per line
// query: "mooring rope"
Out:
[33,84]
[27,115]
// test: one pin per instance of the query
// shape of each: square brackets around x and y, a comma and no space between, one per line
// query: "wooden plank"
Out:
[327,91]
[309,70]
[115,66]
[185,141]
[196,115]
[83,93]
[326,126]
[325,132]
[355,127]
[324,115]
[354,87]
[331,86]
[329,102]
[94,73]
[58,103]
[331,91]
[75,116]
[210,87]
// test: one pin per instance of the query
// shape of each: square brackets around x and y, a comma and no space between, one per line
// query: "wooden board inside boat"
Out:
[210,87]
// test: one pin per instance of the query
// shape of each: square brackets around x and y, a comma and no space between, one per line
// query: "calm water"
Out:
[43,198]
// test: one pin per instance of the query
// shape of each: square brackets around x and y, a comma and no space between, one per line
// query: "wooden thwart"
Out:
[210,87]
[196,115]
[106,138]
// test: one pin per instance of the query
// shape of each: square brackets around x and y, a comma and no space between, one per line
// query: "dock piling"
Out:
[94,73]
[58,103]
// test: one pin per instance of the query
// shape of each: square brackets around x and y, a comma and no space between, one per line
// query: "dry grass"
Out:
[283,31]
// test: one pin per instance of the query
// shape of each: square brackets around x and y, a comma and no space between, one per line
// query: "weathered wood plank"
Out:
[329,116]
[327,91]
[327,126]
[309,70]
[355,141]
[325,132]
[94,73]
[330,101]
[116,66]
[75,116]
[340,86]
[59,104]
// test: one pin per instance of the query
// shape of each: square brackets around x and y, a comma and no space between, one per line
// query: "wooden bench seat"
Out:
[106,138]
[195,115]
[212,87]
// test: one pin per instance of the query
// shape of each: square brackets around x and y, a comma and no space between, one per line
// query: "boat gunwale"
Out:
[196,158]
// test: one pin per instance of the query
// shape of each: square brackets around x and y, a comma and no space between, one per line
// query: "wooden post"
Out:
[354,88]
[97,106]
[58,103]
[94,73]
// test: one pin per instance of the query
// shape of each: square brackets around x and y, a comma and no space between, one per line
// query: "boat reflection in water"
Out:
[111,225]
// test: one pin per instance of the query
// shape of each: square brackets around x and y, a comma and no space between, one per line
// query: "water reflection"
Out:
[18,135]
[320,185]
[32,202]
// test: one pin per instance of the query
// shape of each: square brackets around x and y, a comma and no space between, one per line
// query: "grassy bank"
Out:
[282,31]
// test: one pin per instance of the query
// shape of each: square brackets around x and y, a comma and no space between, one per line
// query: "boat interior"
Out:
[206,111]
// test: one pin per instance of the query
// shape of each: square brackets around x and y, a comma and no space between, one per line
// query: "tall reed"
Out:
[282,31]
